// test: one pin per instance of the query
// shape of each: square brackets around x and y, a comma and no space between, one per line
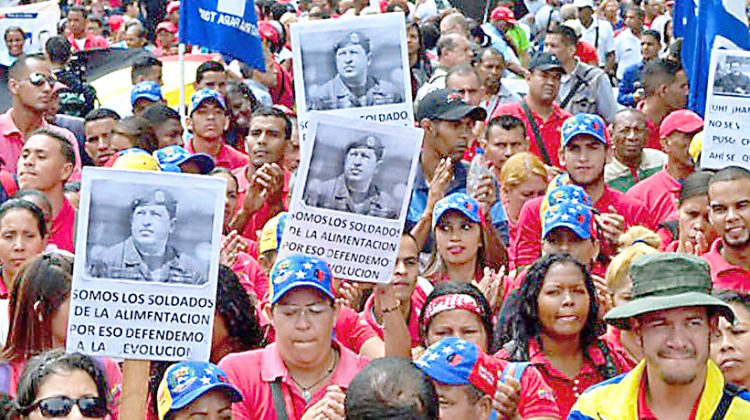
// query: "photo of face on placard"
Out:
[732,77]
[149,233]
[352,67]
[356,171]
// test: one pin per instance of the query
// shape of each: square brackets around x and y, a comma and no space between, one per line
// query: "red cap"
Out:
[172,6]
[166,26]
[682,120]
[268,32]
[115,22]
[503,13]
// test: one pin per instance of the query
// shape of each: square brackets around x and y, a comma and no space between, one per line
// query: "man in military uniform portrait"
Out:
[734,81]
[146,254]
[354,191]
[353,86]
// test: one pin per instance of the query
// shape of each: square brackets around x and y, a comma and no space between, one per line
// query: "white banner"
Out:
[351,196]
[726,137]
[147,261]
[38,20]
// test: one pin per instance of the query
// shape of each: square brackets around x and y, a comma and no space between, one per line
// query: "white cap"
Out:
[579,4]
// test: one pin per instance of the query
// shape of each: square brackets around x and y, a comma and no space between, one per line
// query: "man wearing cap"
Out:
[305,365]
[195,389]
[146,254]
[583,155]
[631,161]
[543,116]
[673,317]
[583,88]
[734,81]
[176,159]
[659,193]
[503,29]
[354,190]
[597,32]
[145,94]
[208,121]
[352,86]
[729,257]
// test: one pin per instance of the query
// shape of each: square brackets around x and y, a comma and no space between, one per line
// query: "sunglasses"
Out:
[61,406]
[38,79]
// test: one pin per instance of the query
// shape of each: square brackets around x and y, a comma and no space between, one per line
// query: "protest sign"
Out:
[357,67]
[227,26]
[726,136]
[38,21]
[351,195]
[147,257]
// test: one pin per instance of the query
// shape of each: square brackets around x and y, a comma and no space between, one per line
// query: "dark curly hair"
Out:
[524,323]
[50,363]
[460,288]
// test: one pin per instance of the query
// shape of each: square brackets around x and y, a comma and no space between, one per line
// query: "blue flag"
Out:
[710,23]
[226,26]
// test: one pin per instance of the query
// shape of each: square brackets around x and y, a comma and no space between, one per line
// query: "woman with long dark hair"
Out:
[554,324]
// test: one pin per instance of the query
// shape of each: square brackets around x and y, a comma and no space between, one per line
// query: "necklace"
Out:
[307,391]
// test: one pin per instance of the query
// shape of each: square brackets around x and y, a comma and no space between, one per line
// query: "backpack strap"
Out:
[730,391]
[537,133]
[278,400]
[580,80]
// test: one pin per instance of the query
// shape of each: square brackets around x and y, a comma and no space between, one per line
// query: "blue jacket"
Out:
[626,87]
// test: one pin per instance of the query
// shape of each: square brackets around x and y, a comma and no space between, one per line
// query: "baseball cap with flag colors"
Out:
[584,124]
[270,236]
[460,202]
[453,361]
[573,216]
[300,271]
[185,382]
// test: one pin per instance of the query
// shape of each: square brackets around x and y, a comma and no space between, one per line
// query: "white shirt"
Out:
[426,10]
[605,43]
[627,51]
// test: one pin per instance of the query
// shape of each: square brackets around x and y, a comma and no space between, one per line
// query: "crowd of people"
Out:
[595,271]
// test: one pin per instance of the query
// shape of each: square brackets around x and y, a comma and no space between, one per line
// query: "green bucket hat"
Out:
[666,281]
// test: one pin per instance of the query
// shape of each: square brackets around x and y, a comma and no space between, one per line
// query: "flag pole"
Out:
[181,58]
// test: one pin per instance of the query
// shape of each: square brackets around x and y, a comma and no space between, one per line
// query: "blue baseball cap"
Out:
[146,90]
[569,194]
[171,157]
[460,202]
[573,216]
[589,124]
[453,361]
[206,95]
[300,271]
[185,382]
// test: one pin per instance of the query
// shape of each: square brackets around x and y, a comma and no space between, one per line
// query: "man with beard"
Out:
[491,67]
[729,213]
[673,317]
[583,155]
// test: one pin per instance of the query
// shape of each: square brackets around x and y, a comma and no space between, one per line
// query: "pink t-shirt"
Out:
[529,245]
[252,373]
[228,157]
[11,143]
[256,222]
[251,275]
[62,232]
[724,275]
[659,194]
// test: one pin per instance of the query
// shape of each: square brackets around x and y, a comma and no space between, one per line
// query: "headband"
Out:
[449,303]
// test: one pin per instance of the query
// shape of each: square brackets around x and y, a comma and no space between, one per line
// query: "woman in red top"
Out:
[554,325]
[23,234]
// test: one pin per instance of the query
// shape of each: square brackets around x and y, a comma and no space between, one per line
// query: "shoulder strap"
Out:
[596,39]
[514,368]
[730,391]
[537,134]
[278,400]
[9,184]
[580,80]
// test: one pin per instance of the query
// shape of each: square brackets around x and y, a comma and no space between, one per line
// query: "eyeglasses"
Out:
[37,79]
[314,311]
[61,406]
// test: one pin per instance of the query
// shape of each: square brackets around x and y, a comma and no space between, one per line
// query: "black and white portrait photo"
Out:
[732,76]
[354,63]
[148,233]
[357,171]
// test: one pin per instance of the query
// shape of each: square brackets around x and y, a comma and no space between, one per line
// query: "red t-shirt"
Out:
[659,194]
[63,225]
[252,373]
[549,129]
[587,53]
[251,275]
[567,390]
[256,222]
[228,157]
[653,141]
[645,413]
[529,245]
[724,275]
